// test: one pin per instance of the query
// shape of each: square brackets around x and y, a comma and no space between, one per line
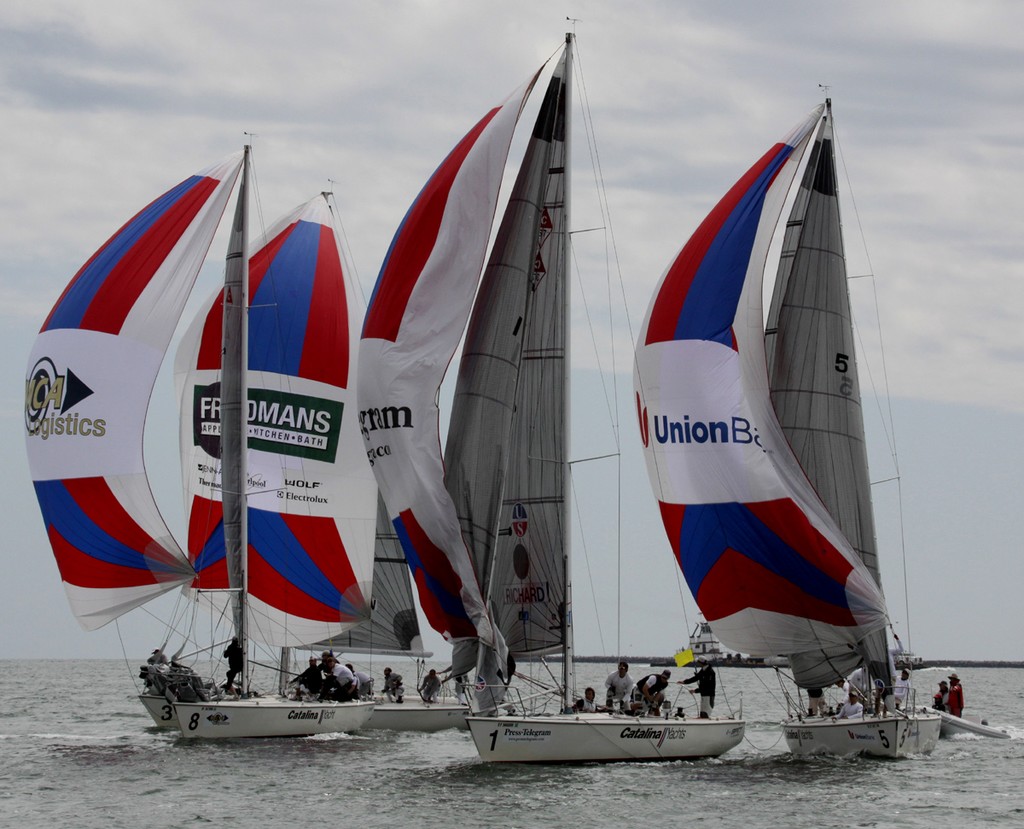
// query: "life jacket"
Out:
[660,683]
[956,695]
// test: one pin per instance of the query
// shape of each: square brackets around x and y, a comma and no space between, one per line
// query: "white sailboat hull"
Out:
[417,715]
[953,725]
[269,718]
[160,709]
[873,736]
[600,738]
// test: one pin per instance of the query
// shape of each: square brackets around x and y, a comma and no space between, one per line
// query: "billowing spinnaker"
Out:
[413,325]
[311,494]
[763,558]
[90,377]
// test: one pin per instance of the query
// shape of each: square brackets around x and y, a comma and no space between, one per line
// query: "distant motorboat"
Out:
[703,642]
[907,661]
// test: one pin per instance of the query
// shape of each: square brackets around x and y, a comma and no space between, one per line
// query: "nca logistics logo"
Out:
[382,420]
[281,422]
[737,430]
[49,398]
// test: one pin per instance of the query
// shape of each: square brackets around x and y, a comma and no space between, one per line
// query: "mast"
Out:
[568,680]
[234,413]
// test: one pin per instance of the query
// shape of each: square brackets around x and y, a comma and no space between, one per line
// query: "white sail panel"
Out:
[100,433]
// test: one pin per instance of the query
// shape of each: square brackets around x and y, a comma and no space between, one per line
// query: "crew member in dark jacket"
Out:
[705,679]
[233,654]
[310,680]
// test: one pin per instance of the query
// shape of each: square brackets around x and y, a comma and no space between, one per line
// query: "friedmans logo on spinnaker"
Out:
[285,423]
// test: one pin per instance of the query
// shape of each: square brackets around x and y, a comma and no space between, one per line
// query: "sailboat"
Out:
[486,532]
[285,565]
[754,442]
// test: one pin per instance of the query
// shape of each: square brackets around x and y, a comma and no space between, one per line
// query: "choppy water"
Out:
[77,750]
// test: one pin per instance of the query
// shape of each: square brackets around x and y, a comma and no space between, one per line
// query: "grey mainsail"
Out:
[815,391]
[507,447]
[393,628]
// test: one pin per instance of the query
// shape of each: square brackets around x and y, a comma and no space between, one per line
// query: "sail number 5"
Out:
[842,365]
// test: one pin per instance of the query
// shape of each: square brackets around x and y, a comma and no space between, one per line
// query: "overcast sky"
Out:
[104,105]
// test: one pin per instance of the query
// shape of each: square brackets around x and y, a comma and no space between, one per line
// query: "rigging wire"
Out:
[586,557]
[887,419]
[612,269]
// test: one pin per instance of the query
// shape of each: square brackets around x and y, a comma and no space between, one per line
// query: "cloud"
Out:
[107,104]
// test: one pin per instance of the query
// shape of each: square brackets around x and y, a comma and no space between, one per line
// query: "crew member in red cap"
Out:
[955,703]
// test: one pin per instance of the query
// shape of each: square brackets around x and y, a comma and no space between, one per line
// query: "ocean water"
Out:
[78,750]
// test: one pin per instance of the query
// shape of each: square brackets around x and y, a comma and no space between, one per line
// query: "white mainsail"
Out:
[816,391]
[507,448]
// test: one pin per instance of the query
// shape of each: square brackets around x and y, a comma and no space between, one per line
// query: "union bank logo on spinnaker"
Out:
[285,423]
[687,431]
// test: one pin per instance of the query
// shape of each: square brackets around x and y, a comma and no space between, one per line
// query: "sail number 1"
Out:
[842,365]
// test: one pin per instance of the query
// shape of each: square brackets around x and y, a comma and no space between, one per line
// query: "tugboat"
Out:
[703,642]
